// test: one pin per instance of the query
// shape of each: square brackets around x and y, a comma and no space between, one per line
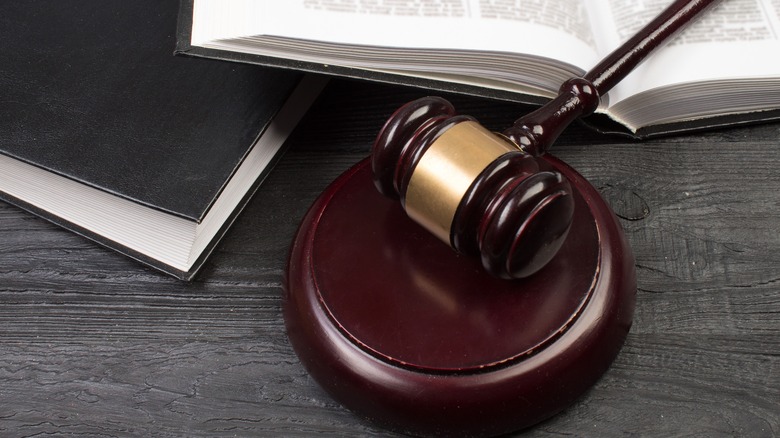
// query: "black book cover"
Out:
[91,91]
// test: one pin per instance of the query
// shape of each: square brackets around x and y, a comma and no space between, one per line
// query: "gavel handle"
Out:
[536,132]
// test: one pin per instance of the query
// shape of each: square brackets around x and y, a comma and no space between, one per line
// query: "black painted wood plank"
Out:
[92,343]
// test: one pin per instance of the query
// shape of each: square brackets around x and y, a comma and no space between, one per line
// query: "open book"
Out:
[723,69]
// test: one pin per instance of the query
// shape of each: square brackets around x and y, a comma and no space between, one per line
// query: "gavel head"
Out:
[472,188]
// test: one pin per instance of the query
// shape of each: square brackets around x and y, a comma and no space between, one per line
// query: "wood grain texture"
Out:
[93,344]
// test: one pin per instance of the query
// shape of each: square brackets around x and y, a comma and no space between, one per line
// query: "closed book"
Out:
[107,133]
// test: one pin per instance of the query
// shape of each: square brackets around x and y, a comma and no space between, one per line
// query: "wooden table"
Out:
[94,344]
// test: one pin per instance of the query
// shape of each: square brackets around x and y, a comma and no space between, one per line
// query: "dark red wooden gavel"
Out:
[489,194]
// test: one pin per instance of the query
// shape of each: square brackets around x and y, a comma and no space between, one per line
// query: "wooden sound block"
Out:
[403,331]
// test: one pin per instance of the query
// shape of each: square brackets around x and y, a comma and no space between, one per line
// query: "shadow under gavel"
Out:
[488,194]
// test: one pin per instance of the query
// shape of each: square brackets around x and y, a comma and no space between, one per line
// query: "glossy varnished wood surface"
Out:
[94,344]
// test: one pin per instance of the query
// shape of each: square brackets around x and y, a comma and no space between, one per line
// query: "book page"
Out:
[519,26]
[392,35]
[734,40]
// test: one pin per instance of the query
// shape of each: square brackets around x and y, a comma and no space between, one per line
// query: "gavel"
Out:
[489,194]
